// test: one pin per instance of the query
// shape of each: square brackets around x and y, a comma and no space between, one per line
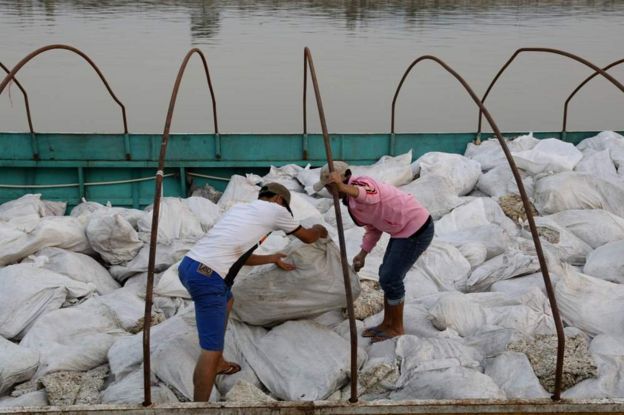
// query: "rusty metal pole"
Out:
[307,58]
[578,88]
[20,64]
[149,289]
[26,104]
[525,203]
[545,50]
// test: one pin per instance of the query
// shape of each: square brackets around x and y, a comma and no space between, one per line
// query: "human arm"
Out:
[336,179]
[359,260]
[370,239]
[270,259]
[310,235]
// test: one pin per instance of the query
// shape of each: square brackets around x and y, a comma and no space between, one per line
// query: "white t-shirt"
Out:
[240,228]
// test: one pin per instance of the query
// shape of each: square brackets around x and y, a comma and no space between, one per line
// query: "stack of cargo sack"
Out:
[477,320]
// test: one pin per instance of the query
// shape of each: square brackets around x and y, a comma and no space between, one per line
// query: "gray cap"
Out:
[277,189]
[339,166]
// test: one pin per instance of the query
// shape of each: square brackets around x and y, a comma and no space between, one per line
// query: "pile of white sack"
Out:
[478,323]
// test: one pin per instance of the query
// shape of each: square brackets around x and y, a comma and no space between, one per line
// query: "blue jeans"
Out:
[400,256]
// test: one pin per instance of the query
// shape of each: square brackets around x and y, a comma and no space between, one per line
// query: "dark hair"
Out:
[264,193]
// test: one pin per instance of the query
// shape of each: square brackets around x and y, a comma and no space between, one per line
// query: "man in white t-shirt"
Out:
[209,268]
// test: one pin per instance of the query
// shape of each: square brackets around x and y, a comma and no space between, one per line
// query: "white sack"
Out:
[169,284]
[607,262]
[606,140]
[78,338]
[597,163]
[166,255]
[176,221]
[568,246]
[591,304]
[495,239]
[302,361]
[330,217]
[75,338]
[452,383]
[239,343]
[474,252]
[204,209]
[416,321]
[572,190]
[425,355]
[490,154]
[513,373]
[444,264]
[392,170]
[17,364]
[388,169]
[29,292]
[549,155]
[481,211]
[30,204]
[113,237]
[240,189]
[353,241]
[286,176]
[516,287]
[608,353]
[595,227]
[508,265]
[129,390]
[461,171]
[436,193]
[32,399]
[458,312]
[59,231]
[77,266]
[268,295]
[500,181]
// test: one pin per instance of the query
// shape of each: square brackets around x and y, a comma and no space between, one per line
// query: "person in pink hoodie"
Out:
[381,207]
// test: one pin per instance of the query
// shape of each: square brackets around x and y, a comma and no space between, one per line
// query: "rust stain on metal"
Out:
[30,56]
[308,62]
[156,213]
[525,202]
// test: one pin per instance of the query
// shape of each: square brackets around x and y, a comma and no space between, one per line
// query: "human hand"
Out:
[359,260]
[336,179]
[321,230]
[277,260]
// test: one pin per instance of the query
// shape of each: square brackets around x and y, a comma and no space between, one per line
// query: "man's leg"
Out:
[205,374]
[225,367]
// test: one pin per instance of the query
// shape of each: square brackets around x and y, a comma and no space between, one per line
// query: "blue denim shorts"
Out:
[211,295]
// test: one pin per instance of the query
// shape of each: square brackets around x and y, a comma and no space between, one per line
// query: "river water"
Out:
[360,48]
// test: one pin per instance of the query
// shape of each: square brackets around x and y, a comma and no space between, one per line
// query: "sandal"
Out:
[372,332]
[230,369]
[381,336]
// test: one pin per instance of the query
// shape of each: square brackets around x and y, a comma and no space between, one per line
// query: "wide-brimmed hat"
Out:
[274,188]
[339,166]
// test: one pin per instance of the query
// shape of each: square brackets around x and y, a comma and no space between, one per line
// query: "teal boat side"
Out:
[120,168]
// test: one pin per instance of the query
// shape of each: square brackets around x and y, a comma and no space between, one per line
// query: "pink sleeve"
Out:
[367,191]
[371,237]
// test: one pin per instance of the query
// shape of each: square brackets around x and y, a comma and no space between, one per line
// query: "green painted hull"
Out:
[72,166]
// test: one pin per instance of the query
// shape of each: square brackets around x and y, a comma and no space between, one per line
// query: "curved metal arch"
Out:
[308,62]
[30,125]
[546,50]
[27,58]
[147,319]
[527,209]
[578,88]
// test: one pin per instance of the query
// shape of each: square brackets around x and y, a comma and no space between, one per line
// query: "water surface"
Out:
[360,49]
